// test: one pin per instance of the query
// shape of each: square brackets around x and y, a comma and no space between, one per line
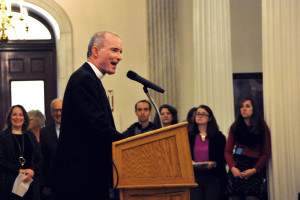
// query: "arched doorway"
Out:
[27,61]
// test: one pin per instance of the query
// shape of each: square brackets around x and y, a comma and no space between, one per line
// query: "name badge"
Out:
[239,151]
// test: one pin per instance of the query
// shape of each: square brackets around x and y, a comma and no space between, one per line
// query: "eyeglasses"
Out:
[56,110]
[202,114]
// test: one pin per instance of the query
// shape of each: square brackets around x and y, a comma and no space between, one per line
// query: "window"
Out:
[37,30]
[29,94]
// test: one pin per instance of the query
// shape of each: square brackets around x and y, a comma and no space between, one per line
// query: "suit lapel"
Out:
[53,132]
[102,91]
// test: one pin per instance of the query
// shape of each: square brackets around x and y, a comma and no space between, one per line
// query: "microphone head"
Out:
[132,75]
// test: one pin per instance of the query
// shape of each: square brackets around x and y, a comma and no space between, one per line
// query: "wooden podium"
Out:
[156,165]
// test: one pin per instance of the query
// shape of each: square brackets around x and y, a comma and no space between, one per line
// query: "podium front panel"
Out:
[157,158]
[155,194]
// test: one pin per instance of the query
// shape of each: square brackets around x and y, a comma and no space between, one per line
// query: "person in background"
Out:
[82,167]
[143,111]
[207,145]
[190,118]
[168,116]
[48,142]
[248,149]
[19,153]
[36,122]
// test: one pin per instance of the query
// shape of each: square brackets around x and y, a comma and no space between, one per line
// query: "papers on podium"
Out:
[20,187]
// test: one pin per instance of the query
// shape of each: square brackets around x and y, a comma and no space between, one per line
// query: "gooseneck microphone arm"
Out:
[134,76]
[153,103]
[147,84]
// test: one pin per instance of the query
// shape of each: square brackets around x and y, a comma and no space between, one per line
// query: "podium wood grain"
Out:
[154,165]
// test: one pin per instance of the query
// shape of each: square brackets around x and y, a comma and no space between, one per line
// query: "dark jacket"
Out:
[82,165]
[136,129]
[48,143]
[215,152]
[9,165]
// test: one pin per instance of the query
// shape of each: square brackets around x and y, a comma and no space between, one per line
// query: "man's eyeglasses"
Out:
[56,110]
[202,114]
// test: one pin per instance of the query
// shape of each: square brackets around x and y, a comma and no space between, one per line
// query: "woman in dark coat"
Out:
[207,147]
[19,153]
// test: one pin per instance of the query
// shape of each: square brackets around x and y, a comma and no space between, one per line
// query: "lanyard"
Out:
[22,160]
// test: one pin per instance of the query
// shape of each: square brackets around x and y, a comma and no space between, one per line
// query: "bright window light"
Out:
[37,30]
[29,94]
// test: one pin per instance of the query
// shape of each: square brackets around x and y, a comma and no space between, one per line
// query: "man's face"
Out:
[143,112]
[109,55]
[56,110]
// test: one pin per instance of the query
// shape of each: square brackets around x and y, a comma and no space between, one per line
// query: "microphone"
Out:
[134,76]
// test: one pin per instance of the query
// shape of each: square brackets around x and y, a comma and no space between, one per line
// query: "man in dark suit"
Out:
[48,142]
[83,161]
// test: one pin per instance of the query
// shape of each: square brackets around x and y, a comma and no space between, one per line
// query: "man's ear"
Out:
[95,50]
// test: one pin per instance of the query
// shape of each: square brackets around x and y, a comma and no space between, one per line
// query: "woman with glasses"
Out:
[207,148]
[19,155]
[247,151]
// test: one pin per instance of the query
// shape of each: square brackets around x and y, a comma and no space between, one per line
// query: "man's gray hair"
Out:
[53,101]
[97,40]
[38,115]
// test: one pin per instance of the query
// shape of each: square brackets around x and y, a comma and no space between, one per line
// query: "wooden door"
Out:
[24,66]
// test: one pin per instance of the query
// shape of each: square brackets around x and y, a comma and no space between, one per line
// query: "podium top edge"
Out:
[181,124]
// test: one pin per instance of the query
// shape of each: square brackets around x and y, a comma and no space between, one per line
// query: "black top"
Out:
[23,147]
[48,143]
[136,129]
[10,165]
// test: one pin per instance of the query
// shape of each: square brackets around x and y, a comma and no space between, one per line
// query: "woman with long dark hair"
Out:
[207,145]
[168,116]
[19,153]
[248,149]
[190,117]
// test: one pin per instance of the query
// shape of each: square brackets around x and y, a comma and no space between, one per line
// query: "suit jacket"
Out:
[83,161]
[48,143]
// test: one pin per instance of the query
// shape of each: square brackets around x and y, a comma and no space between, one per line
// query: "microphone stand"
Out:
[151,100]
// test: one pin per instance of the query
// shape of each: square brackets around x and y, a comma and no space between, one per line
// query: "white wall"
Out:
[184,55]
[246,35]
[128,18]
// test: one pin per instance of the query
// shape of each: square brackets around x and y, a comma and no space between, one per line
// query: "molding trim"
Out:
[64,41]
